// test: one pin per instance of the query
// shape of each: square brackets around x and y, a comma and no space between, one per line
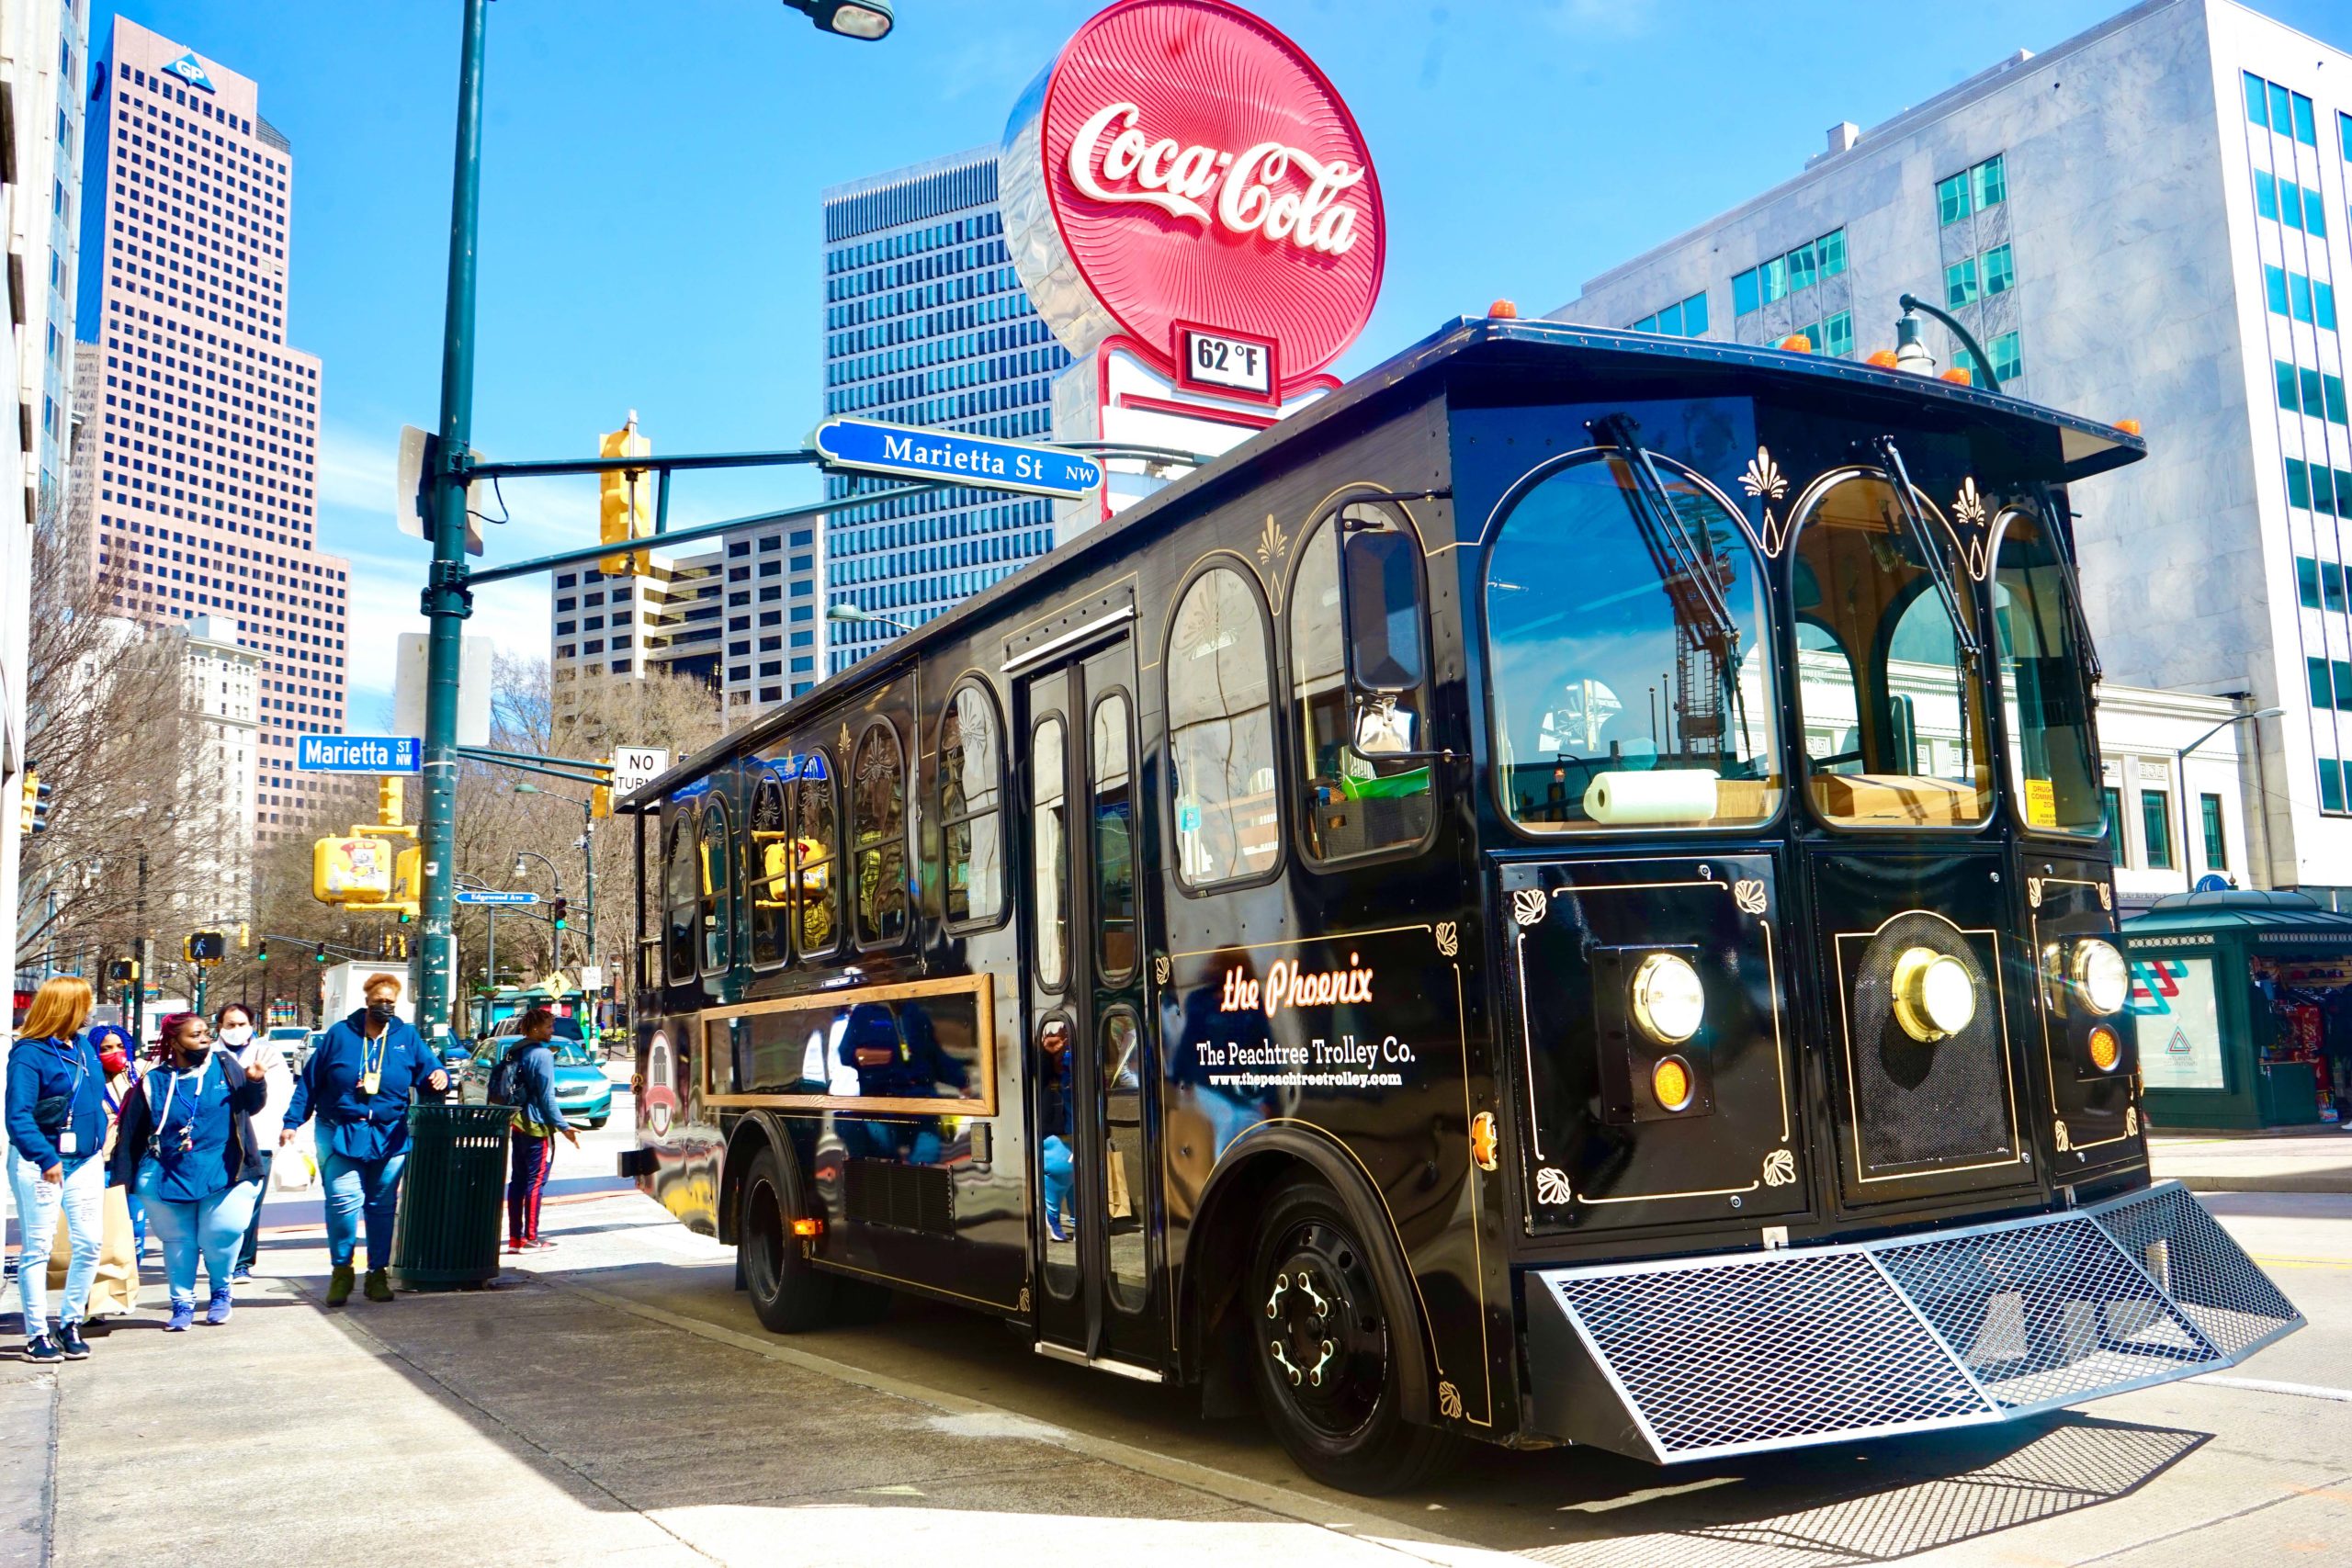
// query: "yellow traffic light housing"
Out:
[345,871]
[600,801]
[390,800]
[624,503]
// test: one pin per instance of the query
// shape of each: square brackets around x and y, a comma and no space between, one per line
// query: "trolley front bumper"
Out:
[1700,1357]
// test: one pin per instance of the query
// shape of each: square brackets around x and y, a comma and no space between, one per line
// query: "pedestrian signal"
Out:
[351,871]
[122,969]
[205,947]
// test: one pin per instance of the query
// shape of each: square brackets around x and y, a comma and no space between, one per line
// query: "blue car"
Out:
[582,1093]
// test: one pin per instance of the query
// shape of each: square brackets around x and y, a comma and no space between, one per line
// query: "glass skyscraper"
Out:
[926,325]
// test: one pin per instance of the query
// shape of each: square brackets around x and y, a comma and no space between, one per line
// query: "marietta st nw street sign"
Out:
[359,754]
[874,448]
[492,895]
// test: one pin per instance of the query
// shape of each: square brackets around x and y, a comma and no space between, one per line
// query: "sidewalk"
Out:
[2255,1162]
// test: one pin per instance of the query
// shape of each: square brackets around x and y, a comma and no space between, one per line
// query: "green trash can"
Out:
[453,1197]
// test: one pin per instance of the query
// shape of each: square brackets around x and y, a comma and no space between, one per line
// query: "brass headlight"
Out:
[1667,1002]
[1933,994]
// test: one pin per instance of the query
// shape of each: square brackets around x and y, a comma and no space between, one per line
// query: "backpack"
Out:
[507,1086]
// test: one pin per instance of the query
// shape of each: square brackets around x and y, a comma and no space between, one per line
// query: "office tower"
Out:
[2148,222]
[207,422]
[665,621]
[925,324]
[44,62]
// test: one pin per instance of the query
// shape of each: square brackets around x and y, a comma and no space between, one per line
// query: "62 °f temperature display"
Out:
[1212,359]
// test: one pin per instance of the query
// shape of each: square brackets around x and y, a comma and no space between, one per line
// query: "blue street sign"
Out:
[360,754]
[2212,881]
[976,460]
[492,895]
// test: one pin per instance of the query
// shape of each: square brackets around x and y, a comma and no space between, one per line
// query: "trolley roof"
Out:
[1626,362]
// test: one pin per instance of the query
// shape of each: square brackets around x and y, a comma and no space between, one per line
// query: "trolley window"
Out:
[1632,682]
[1115,838]
[879,819]
[715,894]
[680,897]
[769,854]
[1358,693]
[1221,733]
[1877,587]
[1049,850]
[815,888]
[2053,759]
[971,829]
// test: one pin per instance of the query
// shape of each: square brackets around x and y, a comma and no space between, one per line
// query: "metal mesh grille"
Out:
[1926,1104]
[2186,1251]
[2044,1313]
[1766,1352]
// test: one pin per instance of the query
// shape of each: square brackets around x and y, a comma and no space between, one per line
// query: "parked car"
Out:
[582,1093]
[295,1041]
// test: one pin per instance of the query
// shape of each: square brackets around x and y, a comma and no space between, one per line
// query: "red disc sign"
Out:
[1197,171]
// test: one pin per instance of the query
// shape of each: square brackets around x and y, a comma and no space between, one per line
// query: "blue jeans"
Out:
[358,1185]
[82,1197]
[209,1228]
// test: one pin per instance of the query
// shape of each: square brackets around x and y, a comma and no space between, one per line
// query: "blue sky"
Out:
[650,234]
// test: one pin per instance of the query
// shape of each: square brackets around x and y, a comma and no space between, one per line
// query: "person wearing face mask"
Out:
[56,1119]
[233,1027]
[360,1082]
[186,1143]
[114,1292]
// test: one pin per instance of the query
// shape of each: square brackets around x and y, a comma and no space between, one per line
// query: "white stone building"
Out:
[2147,221]
[665,621]
[222,678]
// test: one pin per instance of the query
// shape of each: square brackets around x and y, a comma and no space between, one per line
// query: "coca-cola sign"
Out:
[1182,166]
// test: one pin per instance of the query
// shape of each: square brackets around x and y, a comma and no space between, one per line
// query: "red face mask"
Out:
[114,1060]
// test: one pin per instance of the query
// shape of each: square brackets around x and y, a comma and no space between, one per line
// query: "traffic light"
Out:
[34,817]
[623,512]
[561,905]
[261,954]
[319,953]
[390,801]
[600,801]
[244,935]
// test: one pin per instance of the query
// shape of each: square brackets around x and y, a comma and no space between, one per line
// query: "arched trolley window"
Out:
[1359,686]
[1221,733]
[816,889]
[682,941]
[971,826]
[878,824]
[1889,678]
[769,855]
[716,890]
[1626,632]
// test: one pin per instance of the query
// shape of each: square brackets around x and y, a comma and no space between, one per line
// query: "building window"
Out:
[1783,275]
[2155,827]
[2008,362]
[2208,811]
[1960,283]
[2331,785]
[1684,318]
[2000,271]
[1221,733]
[2111,817]
[1833,336]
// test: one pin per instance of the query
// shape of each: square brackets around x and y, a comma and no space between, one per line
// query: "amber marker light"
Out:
[1797,342]
[1884,359]
[2106,1049]
[807,1227]
[1503,311]
[1670,1081]
[1959,376]
[2129,427]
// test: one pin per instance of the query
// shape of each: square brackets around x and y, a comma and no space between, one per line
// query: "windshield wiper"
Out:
[1939,569]
[2063,541]
[1672,550]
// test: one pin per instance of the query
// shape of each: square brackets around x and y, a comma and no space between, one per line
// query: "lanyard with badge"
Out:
[68,1141]
[371,1063]
[163,1117]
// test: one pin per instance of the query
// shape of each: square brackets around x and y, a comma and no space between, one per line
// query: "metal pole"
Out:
[490,971]
[588,854]
[139,960]
[447,601]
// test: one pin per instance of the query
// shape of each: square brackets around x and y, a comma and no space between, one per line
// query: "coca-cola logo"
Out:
[1245,192]
[1183,165]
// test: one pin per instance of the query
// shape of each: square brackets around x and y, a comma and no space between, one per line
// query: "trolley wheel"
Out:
[790,1293]
[1325,1339]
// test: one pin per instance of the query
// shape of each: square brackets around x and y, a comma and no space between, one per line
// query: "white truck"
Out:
[341,985]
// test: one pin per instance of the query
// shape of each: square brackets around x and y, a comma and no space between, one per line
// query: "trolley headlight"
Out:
[1933,994]
[1669,1004]
[2101,977]
[1671,1082]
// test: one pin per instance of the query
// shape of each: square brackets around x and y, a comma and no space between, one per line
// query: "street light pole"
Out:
[447,602]
[2180,762]
[556,877]
[587,805]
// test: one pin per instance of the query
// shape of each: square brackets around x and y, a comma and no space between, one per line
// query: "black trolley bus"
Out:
[1558,895]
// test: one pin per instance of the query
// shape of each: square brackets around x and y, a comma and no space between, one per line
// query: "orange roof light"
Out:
[1884,358]
[2129,427]
[1503,311]
[1958,376]
[1797,342]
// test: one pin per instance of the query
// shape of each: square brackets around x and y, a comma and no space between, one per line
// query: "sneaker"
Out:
[339,1285]
[217,1312]
[514,1246]
[379,1285]
[43,1349]
[70,1341]
[183,1313]
[538,1242]
[240,1275]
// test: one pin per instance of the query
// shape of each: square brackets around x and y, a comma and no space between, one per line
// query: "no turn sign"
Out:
[634,767]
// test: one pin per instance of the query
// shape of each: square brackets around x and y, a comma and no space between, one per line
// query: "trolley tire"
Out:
[1352,1433]
[790,1295]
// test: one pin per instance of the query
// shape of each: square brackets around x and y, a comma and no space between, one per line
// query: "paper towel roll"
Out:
[1623,799]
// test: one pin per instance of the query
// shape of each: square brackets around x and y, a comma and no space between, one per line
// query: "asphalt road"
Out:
[2255,1464]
